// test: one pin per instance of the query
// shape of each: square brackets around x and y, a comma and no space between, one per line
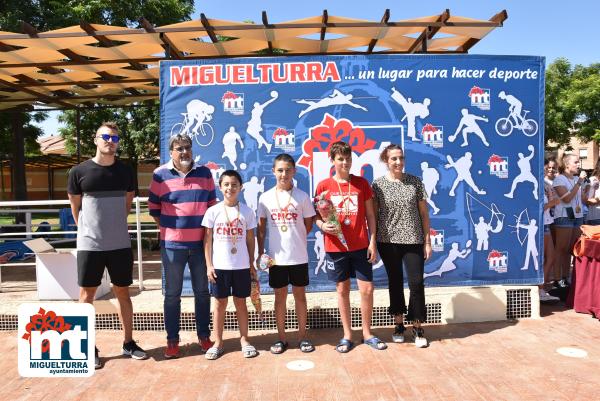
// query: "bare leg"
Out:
[241,310]
[563,255]
[574,236]
[280,309]
[301,313]
[219,320]
[343,295]
[125,311]
[548,259]
[87,294]
[366,306]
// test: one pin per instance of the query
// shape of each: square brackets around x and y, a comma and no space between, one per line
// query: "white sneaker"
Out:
[420,340]
[547,298]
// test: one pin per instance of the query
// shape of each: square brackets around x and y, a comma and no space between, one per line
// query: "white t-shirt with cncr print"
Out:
[288,246]
[228,231]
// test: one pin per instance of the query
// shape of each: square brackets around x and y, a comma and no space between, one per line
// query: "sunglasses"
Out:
[182,149]
[107,137]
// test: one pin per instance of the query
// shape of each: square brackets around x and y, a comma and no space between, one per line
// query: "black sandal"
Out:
[279,347]
[306,346]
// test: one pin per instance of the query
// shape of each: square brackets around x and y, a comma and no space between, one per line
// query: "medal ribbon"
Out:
[234,236]
[288,203]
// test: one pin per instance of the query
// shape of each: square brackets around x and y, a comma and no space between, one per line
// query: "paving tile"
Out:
[481,361]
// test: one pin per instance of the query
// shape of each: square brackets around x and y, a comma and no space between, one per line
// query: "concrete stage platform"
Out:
[509,360]
[525,359]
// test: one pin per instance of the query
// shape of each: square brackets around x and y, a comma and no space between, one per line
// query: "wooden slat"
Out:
[384,20]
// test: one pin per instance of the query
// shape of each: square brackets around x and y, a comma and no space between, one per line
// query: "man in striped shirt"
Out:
[180,193]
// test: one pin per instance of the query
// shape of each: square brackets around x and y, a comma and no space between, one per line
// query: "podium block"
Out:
[56,275]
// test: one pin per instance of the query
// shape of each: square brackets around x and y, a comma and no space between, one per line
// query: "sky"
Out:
[548,28]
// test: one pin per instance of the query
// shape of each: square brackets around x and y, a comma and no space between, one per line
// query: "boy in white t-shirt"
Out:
[288,214]
[229,252]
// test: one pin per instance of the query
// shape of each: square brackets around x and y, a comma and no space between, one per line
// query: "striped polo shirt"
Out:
[180,203]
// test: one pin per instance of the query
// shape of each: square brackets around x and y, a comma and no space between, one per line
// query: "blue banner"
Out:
[471,127]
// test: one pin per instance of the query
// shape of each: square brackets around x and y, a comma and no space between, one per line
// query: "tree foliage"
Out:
[46,15]
[572,102]
[30,133]
[139,128]
[53,14]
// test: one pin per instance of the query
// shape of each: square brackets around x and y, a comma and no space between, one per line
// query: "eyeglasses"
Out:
[182,149]
[107,137]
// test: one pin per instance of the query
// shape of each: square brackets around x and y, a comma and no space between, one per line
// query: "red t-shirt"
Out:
[350,206]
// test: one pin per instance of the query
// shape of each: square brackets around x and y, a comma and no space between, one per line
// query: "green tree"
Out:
[572,102]
[30,132]
[47,15]
[583,99]
[139,131]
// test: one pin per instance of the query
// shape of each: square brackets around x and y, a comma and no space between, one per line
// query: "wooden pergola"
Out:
[91,65]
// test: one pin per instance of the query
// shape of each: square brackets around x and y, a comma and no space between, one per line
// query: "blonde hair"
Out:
[564,160]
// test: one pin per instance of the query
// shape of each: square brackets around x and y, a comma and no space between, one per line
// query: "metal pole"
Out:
[77,134]
[138,228]
[2,176]
[28,224]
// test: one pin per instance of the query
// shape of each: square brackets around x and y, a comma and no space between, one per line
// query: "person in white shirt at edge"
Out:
[287,212]
[229,252]
[568,214]
[550,200]
[591,197]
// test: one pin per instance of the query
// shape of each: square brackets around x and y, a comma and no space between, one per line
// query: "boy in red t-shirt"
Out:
[353,199]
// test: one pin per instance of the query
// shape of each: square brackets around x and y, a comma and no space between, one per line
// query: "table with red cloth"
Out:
[584,295]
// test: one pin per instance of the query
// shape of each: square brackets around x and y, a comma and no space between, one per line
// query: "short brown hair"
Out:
[384,154]
[341,148]
[111,125]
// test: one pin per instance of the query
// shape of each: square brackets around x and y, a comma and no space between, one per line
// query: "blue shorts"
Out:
[350,264]
[231,282]
[593,222]
[565,222]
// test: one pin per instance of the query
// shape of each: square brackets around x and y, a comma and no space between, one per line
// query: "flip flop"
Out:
[279,347]
[214,353]
[249,351]
[344,343]
[375,343]
[306,346]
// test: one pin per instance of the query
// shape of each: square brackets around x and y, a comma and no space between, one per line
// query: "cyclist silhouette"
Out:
[197,112]
[517,118]
[516,106]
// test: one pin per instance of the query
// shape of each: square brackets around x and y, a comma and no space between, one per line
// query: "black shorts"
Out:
[281,276]
[91,264]
[350,264]
[231,282]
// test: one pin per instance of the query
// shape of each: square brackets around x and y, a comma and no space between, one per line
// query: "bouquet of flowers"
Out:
[255,296]
[265,262]
[327,212]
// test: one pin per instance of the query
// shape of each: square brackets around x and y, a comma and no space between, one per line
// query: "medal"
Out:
[347,221]
[229,224]
[577,209]
[284,226]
